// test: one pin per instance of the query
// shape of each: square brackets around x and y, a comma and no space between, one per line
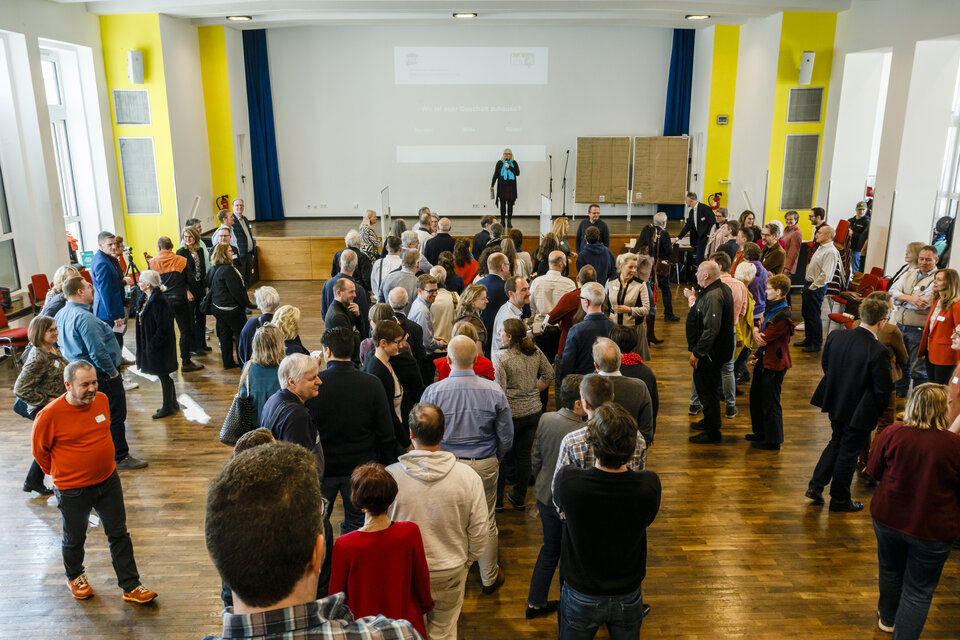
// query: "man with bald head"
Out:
[545,294]
[498,267]
[439,243]
[820,272]
[479,432]
[710,340]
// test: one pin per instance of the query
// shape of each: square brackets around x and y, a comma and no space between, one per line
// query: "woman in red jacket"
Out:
[773,360]
[944,316]
[381,567]
[915,509]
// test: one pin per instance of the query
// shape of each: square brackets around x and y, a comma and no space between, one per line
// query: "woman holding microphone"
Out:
[505,178]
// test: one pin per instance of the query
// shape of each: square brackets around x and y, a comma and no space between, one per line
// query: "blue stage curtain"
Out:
[676,119]
[263,137]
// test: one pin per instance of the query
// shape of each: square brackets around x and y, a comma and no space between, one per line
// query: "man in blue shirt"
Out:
[83,336]
[479,432]
[427,287]
[578,350]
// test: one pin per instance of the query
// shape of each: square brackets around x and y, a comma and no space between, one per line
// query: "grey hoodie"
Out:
[445,499]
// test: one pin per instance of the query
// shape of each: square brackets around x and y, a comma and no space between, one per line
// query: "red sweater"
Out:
[73,444]
[468,271]
[482,367]
[919,475]
[383,572]
[563,315]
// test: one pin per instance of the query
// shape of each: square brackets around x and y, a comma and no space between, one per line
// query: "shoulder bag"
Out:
[241,417]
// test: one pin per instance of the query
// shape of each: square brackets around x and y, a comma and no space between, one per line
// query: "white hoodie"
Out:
[445,499]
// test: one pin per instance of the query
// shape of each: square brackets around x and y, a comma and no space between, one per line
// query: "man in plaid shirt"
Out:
[595,390]
[264,531]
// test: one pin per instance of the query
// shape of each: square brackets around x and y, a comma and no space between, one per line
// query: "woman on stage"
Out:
[505,178]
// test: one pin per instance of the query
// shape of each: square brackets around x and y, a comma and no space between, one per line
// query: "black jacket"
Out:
[340,316]
[659,247]
[226,287]
[480,242]
[352,432]
[364,267]
[408,373]
[415,336]
[374,367]
[856,384]
[195,283]
[586,224]
[710,324]
[436,245]
[645,373]
[859,230]
[698,224]
[156,341]
[292,424]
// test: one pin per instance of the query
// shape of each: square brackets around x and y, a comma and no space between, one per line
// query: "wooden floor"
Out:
[735,552]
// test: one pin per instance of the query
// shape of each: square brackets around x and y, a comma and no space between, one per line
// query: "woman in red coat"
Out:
[944,317]
[773,360]
[381,567]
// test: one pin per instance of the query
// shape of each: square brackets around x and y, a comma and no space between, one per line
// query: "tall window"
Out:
[57,107]
[9,273]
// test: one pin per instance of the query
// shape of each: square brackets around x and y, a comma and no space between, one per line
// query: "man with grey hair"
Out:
[545,293]
[710,340]
[655,240]
[479,432]
[578,349]
[405,277]
[823,266]
[399,301]
[349,262]
[439,243]
[630,393]
[423,228]
[411,242]
[268,300]
[364,266]
[498,267]
[72,442]
[386,264]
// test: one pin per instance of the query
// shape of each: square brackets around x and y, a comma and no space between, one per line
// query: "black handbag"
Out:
[241,417]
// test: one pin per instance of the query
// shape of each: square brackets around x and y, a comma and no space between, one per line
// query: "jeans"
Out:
[915,370]
[707,379]
[106,498]
[524,429]
[810,305]
[549,556]
[229,325]
[581,615]
[838,461]
[117,399]
[35,473]
[181,313]
[352,517]
[909,572]
[489,470]
[766,414]
[855,261]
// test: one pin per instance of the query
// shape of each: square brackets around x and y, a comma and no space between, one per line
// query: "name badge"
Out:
[941,318]
[100,418]
[955,380]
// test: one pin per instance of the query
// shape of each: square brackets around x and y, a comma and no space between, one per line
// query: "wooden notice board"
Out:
[660,169]
[603,170]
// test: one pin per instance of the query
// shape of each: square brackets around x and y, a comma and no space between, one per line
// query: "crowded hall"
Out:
[295,350]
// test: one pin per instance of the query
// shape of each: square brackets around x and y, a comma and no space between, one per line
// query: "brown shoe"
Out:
[190,365]
[487,590]
[80,588]
[140,595]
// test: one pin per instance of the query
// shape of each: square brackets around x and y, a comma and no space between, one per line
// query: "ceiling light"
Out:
[240,18]
[464,14]
[697,16]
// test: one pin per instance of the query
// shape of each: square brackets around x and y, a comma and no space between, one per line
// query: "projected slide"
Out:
[470,65]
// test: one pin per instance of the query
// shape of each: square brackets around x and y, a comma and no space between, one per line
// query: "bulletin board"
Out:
[660,169]
[603,170]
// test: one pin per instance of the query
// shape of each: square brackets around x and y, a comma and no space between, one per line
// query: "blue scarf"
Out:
[506,173]
[770,313]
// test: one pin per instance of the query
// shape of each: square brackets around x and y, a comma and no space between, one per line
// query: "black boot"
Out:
[651,323]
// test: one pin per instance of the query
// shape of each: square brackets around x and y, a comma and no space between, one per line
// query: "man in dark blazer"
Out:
[398,300]
[499,268]
[578,349]
[348,269]
[481,239]
[700,218]
[854,391]
[439,243]
[344,312]
[108,284]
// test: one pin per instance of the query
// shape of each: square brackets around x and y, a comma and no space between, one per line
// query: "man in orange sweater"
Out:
[72,443]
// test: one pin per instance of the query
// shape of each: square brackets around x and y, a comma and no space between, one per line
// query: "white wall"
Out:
[340,117]
[236,78]
[188,129]
[700,106]
[899,26]
[863,91]
[31,174]
[753,117]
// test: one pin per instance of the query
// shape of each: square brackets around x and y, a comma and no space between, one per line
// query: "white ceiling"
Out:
[284,13]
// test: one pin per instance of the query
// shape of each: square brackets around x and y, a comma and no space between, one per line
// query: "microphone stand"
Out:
[564,183]
[550,160]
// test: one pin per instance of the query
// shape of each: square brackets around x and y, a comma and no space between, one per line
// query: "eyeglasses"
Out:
[430,290]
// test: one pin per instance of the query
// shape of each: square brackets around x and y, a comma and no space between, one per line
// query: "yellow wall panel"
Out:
[723,87]
[216,103]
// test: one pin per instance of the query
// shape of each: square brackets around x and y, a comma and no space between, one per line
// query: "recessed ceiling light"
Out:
[697,16]
[240,18]
[464,14]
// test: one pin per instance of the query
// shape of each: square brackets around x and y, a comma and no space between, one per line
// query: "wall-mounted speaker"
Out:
[806,67]
[135,67]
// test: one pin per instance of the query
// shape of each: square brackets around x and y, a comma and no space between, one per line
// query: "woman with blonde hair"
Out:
[192,249]
[472,302]
[915,509]
[944,316]
[287,319]
[260,371]
[369,240]
[910,261]
[560,228]
[227,298]
[505,178]
[509,249]
[629,300]
[55,299]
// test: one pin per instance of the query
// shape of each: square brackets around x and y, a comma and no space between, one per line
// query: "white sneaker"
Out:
[130,385]
[884,626]
[801,327]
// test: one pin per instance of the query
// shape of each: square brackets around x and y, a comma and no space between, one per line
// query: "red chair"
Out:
[41,285]
[87,275]
[34,305]
[877,271]
[12,338]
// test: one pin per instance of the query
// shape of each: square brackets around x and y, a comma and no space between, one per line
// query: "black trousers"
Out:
[666,295]
[548,342]
[169,392]
[939,373]
[838,461]
[706,379]
[810,305]
[199,331]
[181,313]
[506,213]
[106,498]
[117,398]
[766,414]
[229,325]
[524,430]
